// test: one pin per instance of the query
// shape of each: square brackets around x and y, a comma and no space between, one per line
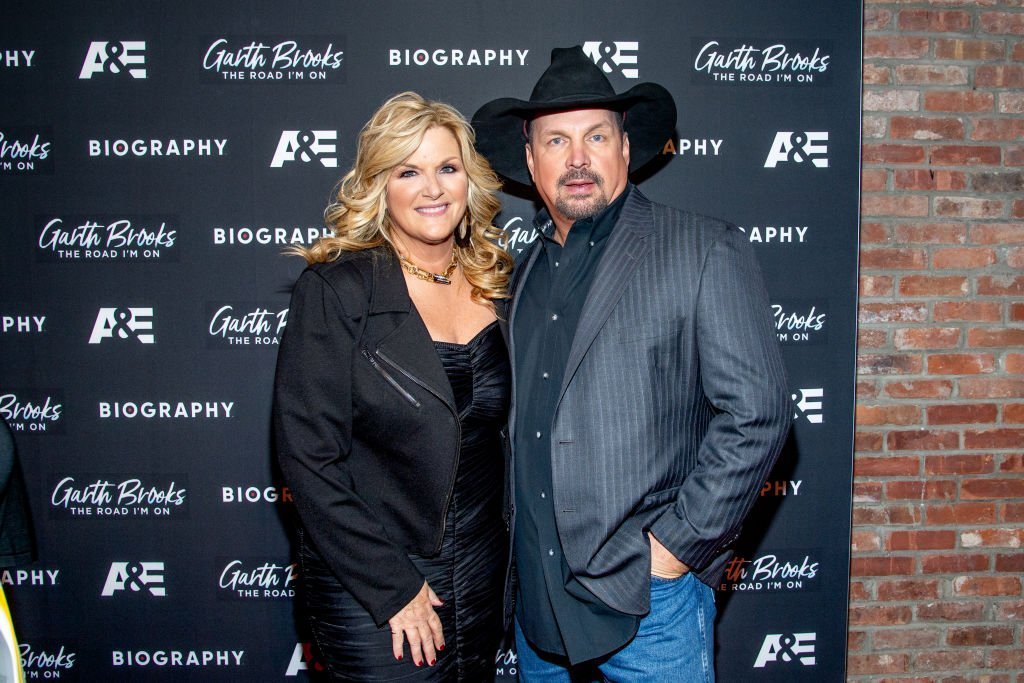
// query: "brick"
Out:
[961,49]
[867,389]
[859,591]
[943,661]
[1002,22]
[1012,512]
[882,566]
[962,414]
[1007,659]
[895,100]
[998,182]
[865,541]
[1010,611]
[961,513]
[980,635]
[926,388]
[876,663]
[999,76]
[875,313]
[967,311]
[905,639]
[1017,55]
[961,363]
[931,74]
[898,47]
[966,155]
[928,179]
[874,127]
[893,205]
[880,615]
[887,259]
[959,463]
[1010,563]
[924,128]
[886,466]
[1015,257]
[927,285]
[986,585]
[1013,155]
[873,74]
[998,129]
[867,492]
[1017,315]
[963,258]
[959,101]
[872,339]
[888,364]
[1001,285]
[968,207]
[931,233]
[886,514]
[921,540]
[855,640]
[892,154]
[951,611]
[1013,462]
[992,538]
[1013,413]
[873,179]
[921,490]
[998,233]
[959,563]
[872,232]
[991,387]
[926,337]
[876,19]
[909,589]
[876,285]
[996,489]
[934,21]
[1006,336]
[1011,103]
[867,441]
[1014,362]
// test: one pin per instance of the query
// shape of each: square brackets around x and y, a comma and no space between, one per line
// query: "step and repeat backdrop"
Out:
[155,161]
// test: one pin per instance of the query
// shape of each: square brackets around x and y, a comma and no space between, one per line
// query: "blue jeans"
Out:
[675,642]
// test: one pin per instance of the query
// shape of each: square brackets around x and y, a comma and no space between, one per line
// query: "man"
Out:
[650,399]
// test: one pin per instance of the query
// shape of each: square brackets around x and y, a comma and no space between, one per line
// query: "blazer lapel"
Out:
[627,248]
[518,278]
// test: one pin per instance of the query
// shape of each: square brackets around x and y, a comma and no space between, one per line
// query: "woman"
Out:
[390,397]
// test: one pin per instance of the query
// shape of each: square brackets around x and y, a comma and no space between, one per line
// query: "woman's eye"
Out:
[409,173]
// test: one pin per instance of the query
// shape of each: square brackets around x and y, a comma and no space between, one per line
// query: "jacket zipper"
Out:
[458,443]
[390,380]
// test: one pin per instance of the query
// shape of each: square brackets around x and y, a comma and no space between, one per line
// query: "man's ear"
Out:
[529,158]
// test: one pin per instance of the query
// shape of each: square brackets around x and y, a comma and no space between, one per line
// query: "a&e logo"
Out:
[307,145]
[614,56]
[809,403]
[798,148]
[783,647]
[124,323]
[115,57]
[135,577]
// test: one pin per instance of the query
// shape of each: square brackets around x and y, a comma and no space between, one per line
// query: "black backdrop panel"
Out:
[155,161]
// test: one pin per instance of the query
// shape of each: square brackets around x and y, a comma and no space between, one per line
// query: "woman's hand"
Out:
[418,623]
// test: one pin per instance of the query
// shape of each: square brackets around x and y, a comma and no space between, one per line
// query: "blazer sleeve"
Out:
[744,379]
[313,438]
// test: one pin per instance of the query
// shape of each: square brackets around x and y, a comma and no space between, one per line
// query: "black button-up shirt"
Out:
[562,616]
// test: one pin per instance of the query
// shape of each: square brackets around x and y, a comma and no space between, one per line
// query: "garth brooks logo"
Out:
[770,573]
[91,495]
[800,322]
[26,150]
[106,238]
[31,411]
[244,324]
[740,62]
[304,59]
[256,580]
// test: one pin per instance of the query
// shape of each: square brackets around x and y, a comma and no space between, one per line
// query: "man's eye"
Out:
[597,137]
[555,141]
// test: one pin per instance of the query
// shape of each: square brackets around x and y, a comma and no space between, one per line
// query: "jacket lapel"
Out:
[627,248]
[404,340]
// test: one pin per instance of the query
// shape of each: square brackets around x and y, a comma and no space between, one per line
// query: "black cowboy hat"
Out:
[573,81]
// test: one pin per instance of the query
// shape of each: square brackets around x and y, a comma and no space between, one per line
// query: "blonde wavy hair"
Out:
[358,214]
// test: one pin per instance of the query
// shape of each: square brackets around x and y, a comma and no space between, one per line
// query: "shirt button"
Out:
[544,375]
[538,435]
[554,316]
[591,244]
[543,495]
[551,552]
[556,264]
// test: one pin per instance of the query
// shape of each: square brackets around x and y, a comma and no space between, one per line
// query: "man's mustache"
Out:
[581,174]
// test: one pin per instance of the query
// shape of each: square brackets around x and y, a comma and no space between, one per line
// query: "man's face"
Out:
[579,161]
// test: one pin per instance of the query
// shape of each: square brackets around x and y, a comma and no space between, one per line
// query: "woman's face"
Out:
[427,193]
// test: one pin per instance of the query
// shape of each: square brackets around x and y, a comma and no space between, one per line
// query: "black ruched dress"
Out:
[467,573]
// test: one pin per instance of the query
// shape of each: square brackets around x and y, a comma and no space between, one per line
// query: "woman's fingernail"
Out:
[419,663]
[441,646]
[399,657]
[433,662]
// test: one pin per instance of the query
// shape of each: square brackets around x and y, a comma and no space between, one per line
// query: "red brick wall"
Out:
[935,593]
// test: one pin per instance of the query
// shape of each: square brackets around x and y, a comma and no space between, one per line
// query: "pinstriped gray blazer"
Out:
[674,403]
